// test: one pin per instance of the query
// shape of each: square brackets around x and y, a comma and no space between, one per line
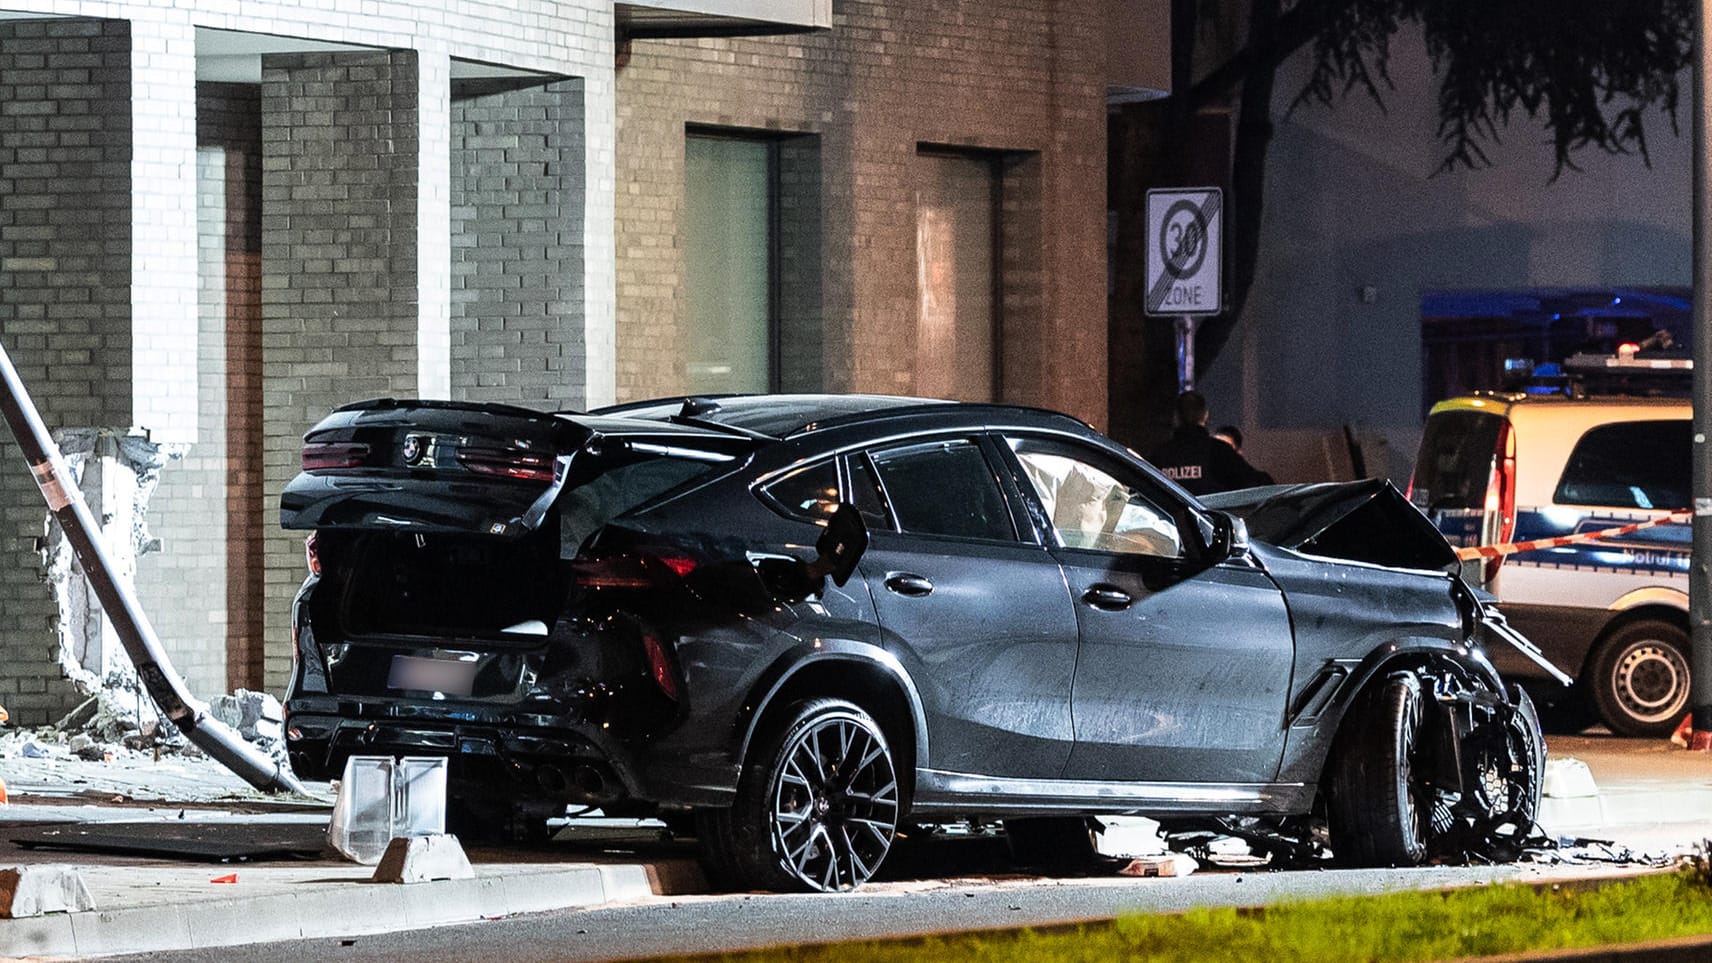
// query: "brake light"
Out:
[330,455]
[508,463]
[660,665]
[613,571]
[629,571]
[1500,502]
[312,555]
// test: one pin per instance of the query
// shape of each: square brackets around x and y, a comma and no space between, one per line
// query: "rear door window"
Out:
[809,493]
[1629,464]
[621,484]
[1455,463]
[944,488]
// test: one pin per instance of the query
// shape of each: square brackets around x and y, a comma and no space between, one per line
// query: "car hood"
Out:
[1361,521]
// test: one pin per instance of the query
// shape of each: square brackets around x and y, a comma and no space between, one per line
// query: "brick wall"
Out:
[517,243]
[228,120]
[200,589]
[65,313]
[1019,78]
[340,169]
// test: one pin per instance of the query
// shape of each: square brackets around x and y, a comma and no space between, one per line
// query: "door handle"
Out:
[912,586]
[1108,598]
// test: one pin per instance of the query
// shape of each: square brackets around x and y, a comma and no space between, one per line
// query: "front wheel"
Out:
[1379,809]
[1639,678]
[817,805]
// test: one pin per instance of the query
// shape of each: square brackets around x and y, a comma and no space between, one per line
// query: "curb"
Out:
[1652,951]
[349,909]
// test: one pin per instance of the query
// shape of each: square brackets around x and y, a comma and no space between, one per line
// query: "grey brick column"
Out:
[97,284]
[343,306]
[517,243]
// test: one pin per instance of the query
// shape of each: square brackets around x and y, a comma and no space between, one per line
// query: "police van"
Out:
[1556,460]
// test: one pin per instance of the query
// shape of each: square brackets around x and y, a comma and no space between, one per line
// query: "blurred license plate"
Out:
[448,676]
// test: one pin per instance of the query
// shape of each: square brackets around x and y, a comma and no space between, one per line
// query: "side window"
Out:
[1090,506]
[944,488]
[1629,464]
[809,493]
[867,495]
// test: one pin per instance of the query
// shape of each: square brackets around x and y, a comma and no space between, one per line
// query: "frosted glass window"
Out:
[956,319]
[728,265]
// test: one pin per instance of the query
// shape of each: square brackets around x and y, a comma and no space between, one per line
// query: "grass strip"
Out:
[1439,925]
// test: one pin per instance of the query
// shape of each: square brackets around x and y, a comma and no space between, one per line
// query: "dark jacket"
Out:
[1203,464]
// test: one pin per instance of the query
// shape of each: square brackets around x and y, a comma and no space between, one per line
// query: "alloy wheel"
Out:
[835,803]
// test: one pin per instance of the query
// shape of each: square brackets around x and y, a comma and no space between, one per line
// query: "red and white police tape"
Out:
[1511,548]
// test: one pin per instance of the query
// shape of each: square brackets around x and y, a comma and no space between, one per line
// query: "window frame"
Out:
[775,230]
[1569,462]
[1021,530]
[1188,521]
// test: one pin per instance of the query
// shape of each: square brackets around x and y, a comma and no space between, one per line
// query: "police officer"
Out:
[1196,460]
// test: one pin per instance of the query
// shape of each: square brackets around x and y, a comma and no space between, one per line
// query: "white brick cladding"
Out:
[163,226]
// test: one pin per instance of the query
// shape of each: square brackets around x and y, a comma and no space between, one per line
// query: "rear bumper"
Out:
[547,758]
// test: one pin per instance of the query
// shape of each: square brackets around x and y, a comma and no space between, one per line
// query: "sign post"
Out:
[1700,559]
[1185,244]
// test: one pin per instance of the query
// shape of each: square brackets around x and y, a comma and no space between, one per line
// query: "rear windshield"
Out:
[1629,464]
[1455,462]
[621,484]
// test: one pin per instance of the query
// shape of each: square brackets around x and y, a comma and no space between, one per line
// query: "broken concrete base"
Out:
[423,859]
[33,890]
[1172,864]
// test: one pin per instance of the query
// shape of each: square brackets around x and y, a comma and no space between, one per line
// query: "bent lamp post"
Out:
[162,681]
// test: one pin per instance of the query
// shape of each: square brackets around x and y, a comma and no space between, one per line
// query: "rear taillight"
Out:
[508,463]
[312,553]
[1500,504]
[630,571]
[660,665]
[329,455]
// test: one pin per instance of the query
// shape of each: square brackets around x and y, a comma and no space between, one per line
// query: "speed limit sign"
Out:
[1185,237]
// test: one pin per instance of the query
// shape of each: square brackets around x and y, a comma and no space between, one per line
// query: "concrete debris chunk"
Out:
[78,743]
[48,888]
[422,859]
[1173,864]
[257,716]
[1568,778]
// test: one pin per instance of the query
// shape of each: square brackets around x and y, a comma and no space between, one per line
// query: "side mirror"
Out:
[841,546]
[1228,538]
[837,551]
[1236,543]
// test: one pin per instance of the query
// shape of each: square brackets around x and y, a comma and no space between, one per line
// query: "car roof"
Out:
[1512,403]
[785,415]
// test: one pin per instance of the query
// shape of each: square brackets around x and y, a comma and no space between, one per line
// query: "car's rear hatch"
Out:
[446,536]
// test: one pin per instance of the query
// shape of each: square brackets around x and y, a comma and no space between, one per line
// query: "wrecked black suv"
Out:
[810,620]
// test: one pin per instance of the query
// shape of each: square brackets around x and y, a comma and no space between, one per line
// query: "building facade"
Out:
[219,221]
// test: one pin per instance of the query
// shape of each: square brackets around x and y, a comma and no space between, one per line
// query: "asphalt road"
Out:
[665,926]
[1653,797]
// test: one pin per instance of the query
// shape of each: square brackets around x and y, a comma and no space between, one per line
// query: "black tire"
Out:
[1639,678]
[1054,843]
[817,805]
[1377,809]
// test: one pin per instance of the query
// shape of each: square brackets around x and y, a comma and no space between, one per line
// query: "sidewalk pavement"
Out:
[1652,797]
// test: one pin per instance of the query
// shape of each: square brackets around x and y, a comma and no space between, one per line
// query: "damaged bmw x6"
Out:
[809,621]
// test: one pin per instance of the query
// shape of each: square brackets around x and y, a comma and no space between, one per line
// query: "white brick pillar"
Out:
[600,316]
[434,224]
[163,227]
